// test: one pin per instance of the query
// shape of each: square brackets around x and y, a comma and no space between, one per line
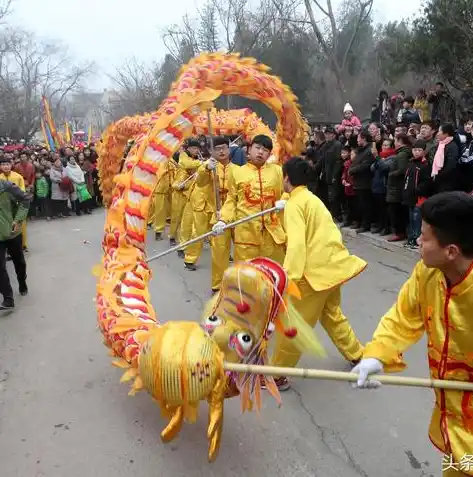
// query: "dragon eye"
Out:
[245,341]
[212,322]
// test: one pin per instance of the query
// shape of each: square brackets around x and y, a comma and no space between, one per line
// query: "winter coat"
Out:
[360,169]
[397,171]
[443,108]
[423,108]
[416,180]
[347,179]
[333,162]
[448,177]
[56,176]
[380,169]
[410,116]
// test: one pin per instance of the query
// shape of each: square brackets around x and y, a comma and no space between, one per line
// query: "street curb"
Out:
[378,241]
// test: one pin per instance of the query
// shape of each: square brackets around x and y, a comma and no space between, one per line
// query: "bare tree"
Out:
[138,88]
[329,40]
[29,69]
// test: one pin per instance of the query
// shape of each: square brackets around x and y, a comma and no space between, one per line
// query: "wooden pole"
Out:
[200,238]
[350,377]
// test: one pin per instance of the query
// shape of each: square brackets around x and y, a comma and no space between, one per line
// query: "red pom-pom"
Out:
[243,307]
[291,333]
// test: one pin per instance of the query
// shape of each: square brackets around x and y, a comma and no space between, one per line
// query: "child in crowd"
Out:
[348,154]
[349,118]
[416,183]
[378,187]
[41,195]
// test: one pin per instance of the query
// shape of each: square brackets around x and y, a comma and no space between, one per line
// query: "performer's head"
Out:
[5,164]
[260,150]
[221,150]
[193,147]
[296,172]
[447,230]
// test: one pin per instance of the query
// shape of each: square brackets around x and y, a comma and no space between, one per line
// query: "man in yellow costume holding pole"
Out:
[163,200]
[436,300]
[183,186]
[218,168]
[254,187]
[318,262]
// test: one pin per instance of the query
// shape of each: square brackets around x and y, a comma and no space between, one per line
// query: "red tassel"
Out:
[243,307]
[290,333]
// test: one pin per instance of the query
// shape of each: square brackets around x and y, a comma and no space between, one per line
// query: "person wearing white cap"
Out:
[349,118]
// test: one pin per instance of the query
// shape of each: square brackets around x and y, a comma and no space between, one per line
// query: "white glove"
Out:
[280,204]
[211,164]
[219,228]
[364,368]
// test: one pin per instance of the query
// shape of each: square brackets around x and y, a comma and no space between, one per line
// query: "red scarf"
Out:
[387,153]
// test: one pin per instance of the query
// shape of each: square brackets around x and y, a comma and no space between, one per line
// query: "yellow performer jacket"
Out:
[426,304]
[166,180]
[186,168]
[250,190]
[15,178]
[205,200]
[315,249]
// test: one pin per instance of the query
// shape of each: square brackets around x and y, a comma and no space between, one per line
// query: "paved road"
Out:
[63,412]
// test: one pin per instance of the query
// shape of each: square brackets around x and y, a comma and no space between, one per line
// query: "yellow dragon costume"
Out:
[182,363]
[242,122]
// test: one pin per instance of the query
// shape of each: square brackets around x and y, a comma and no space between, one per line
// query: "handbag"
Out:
[82,193]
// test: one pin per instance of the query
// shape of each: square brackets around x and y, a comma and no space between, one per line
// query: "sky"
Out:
[109,31]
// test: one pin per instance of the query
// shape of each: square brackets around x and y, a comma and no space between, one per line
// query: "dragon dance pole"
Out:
[218,202]
[345,376]
[210,234]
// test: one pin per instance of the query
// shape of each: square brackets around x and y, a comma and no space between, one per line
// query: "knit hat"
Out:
[347,108]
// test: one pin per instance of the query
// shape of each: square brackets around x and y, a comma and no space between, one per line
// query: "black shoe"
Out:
[362,230]
[230,259]
[23,289]
[172,242]
[158,236]
[190,267]
[8,304]
[215,290]
[385,233]
[181,254]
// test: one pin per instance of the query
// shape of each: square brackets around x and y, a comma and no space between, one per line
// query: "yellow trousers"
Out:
[268,248]
[221,247]
[23,235]
[178,203]
[152,209]
[162,204]
[200,226]
[323,306]
[187,222]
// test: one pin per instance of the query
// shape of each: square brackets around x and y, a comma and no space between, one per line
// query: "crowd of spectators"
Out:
[60,182]
[374,178]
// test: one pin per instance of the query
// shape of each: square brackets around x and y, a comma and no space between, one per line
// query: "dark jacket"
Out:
[380,169]
[333,162]
[411,116]
[397,171]
[237,156]
[416,181]
[447,179]
[360,169]
[443,108]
